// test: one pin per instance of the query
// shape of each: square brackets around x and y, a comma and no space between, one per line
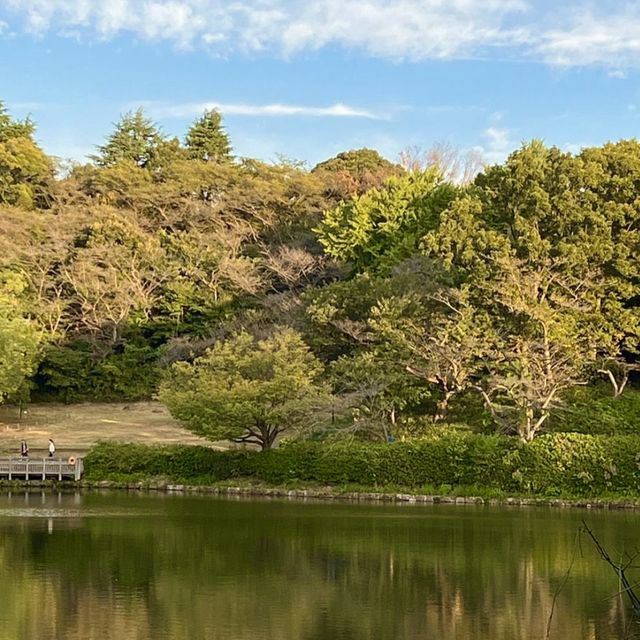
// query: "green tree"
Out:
[539,249]
[135,138]
[439,337]
[354,173]
[207,140]
[19,337]
[383,227]
[245,390]
[10,128]
[26,173]
[375,389]
[357,162]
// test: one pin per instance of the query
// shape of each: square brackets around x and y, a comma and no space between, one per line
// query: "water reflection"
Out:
[147,567]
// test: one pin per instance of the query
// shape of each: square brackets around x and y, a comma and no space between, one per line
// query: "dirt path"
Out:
[76,427]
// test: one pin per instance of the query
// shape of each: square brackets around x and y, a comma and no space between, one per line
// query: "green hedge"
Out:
[136,461]
[568,464]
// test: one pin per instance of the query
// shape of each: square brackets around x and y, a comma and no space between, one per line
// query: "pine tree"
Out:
[10,128]
[207,140]
[135,138]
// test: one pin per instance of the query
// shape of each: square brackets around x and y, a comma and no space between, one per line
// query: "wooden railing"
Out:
[41,468]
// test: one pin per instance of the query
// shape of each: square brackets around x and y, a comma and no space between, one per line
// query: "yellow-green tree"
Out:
[26,173]
[246,390]
[19,337]
[551,258]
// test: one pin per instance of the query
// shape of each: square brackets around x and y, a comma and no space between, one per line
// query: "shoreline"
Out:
[328,494]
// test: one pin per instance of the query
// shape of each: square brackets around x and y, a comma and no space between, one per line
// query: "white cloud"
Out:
[497,138]
[571,33]
[611,38]
[498,144]
[195,108]
[414,29]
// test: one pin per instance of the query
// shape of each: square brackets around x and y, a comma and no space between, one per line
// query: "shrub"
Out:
[118,460]
[555,464]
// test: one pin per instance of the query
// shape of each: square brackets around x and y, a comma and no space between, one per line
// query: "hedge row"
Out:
[566,463]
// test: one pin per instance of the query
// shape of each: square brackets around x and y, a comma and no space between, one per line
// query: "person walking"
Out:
[52,448]
[24,449]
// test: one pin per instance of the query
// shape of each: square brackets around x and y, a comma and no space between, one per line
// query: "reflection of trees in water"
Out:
[283,571]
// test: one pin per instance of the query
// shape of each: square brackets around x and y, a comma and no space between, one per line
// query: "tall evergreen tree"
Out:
[207,140]
[10,128]
[136,138]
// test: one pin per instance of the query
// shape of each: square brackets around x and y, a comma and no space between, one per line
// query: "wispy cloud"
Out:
[571,33]
[610,37]
[407,29]
[195,108]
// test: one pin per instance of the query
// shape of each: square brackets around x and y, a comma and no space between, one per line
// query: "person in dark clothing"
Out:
[24,449]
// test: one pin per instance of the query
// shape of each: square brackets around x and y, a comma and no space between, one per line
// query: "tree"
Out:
[375,390]
[439,337]
[10,128]
[207,140]
[457,166]
[245,390]
[355,172]
[114,277]
[19,337]
[383,227]
[135,138]
[26,173]
[540,251]
[357,162]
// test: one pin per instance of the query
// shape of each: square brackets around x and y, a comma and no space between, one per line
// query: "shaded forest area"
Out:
[370,299]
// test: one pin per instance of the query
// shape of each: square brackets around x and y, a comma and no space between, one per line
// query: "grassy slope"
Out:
[75,428]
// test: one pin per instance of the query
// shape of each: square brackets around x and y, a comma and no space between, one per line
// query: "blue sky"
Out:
[310,79]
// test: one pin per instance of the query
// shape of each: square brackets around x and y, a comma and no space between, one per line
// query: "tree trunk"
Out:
[268,435]
[443,406]
[618,387]
[529,430]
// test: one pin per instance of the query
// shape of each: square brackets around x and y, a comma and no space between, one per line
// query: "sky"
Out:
[310,78]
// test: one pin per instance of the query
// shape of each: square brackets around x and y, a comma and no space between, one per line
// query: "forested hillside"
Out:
[388,298]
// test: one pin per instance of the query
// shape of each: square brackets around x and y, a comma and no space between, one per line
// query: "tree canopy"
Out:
[135,138]
[418,301]
[26,173]
[245,390]
[386,225]
[207,140]
[19,337]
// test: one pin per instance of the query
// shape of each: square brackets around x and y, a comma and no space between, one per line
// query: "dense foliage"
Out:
[359,300]
[246,390]
[553,464]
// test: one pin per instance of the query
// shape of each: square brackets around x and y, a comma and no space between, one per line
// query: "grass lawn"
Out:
[75,427]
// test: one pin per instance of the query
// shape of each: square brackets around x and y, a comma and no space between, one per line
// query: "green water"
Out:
[137,566]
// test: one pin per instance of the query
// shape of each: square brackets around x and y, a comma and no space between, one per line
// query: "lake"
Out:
[144,566]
